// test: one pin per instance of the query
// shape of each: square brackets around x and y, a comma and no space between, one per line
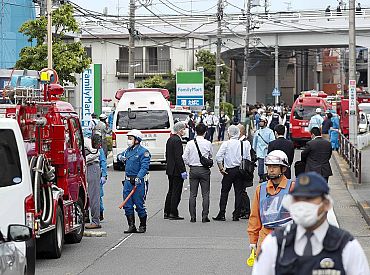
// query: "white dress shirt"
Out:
[230,152]
[353,256]
[191,156]
[211,121]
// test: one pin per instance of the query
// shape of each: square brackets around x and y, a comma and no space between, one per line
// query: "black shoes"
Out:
[205,219]
[131,225]
[219,218]
[166,216]
[193,220]
[101,217]
[175,218]
[142,227]
[235,219]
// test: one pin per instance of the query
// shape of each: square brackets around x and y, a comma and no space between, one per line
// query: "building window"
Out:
[153,56]
[88,51]
[123,53]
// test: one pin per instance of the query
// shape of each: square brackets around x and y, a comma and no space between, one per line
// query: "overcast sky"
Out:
[201,5]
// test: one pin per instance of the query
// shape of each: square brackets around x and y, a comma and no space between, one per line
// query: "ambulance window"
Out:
[78,134]
[143,120]
[11,171]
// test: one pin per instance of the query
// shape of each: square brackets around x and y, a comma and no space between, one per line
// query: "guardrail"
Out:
[351,154]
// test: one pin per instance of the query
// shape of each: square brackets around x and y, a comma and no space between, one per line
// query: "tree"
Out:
[157,81]
[207,60]
[68,57]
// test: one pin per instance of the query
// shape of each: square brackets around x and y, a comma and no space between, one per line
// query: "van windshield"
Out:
[179,116]
[304,112]
[143,120]
[10,172]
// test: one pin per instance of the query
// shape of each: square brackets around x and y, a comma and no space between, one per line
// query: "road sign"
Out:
[275,92]
[352,96]
[190,88]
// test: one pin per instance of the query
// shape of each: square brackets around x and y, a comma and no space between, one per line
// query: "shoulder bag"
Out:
[206,162]
[246,167]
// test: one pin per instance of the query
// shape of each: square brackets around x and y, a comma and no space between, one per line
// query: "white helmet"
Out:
[264,118]
[277,157]
[318,110]
[103,116]
[204,112]
[136,134]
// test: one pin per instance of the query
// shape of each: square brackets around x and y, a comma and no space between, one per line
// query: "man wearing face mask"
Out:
[136,159]
[262,137]
[311,245]
[267,212]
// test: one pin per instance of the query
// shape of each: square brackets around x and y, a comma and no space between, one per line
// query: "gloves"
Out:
[121,158]
[184,175]
[103,180]
[253,246]
[137,181]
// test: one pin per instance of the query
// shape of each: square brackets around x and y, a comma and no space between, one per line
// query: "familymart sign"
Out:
[190,88]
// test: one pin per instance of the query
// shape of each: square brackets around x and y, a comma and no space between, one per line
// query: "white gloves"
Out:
[253,246]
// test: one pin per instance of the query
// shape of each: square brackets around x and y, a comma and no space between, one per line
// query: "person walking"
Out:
[317,154]
[267,212]
[281,143]
[223,121]
[229,158]
[198,175]
[262,137]
[136,159]
[111,117]
[212,124]
[176,172]
[310,245]
[316,120]
[103,180]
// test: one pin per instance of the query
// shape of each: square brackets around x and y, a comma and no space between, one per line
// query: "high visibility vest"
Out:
[272,212]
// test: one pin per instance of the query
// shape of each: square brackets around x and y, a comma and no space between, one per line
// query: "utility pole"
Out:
[131,49]
[220,15]
[352,74]
[243,111]
[277,69]
[50,38]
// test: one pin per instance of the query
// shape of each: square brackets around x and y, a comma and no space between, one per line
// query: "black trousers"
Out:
[245,201]
[232,178]
[211,132]
[175,184]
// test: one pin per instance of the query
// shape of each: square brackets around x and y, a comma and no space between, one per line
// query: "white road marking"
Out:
[121,242]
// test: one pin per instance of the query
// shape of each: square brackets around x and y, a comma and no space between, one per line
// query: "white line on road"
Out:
[121,242]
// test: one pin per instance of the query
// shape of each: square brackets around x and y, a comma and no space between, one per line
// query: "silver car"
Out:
[12,260]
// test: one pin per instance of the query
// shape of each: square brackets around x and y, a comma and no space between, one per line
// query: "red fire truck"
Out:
[53,140]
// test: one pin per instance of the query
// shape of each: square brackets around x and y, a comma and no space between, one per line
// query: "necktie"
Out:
[308,248]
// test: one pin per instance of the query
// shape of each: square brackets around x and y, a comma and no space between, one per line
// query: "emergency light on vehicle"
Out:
[164,92]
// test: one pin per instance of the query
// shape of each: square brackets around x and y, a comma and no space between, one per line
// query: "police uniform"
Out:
[137,160]
[332,251]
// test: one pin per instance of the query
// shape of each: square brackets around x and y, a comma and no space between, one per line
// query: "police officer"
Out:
[311,245]
[267,212]
[136,159]
[275,119]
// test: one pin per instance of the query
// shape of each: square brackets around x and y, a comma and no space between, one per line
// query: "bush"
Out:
[228,108]
[109,142]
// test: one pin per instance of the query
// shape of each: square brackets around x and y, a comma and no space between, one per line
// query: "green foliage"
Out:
[68,58]
[109,142]
[228,108]
[157,81]
[207,60]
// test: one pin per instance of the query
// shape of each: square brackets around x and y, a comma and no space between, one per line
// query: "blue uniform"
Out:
[103,169]
[137,162]
[110,120]
[334,135]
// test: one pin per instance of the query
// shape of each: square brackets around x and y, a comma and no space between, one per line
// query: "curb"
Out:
[350,182]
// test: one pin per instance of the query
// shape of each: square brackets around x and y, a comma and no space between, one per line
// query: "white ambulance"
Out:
[147,110]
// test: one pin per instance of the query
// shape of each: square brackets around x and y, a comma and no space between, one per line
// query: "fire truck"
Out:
[53,141]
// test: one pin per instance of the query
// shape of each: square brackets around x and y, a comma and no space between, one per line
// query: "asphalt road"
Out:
[175,247]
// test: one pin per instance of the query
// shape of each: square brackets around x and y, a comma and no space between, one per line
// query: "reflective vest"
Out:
[272,212]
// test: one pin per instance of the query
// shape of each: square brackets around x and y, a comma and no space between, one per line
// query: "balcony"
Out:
[144,67]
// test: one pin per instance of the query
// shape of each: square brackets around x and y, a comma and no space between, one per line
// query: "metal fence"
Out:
[352,155]
[144,66]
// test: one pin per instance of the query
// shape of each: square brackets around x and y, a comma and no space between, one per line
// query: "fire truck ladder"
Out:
[21,95]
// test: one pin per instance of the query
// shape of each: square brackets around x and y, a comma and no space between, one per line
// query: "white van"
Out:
[148,111]
[16,197]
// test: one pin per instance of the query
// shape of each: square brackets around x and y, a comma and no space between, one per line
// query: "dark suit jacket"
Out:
[174,151]
[316,155]
[287,147]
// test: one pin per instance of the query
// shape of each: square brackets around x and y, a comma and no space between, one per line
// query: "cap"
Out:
[318,110]
[310,184]
[103,116]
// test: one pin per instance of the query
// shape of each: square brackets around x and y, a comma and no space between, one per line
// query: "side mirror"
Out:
[19,233]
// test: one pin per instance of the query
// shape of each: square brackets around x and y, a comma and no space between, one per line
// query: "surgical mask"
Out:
[305,213]
[130,142]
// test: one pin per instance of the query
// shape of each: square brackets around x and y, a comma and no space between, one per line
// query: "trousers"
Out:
[137,199]
[199,176]
[175,184]
[245,201]
[93,189]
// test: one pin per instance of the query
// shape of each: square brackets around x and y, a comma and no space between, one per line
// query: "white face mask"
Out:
[305,213]
[130,142]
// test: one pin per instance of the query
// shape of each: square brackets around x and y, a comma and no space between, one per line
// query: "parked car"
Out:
[12,260]
[363,123]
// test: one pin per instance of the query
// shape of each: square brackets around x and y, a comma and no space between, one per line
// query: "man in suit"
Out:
[175,171]
[281,143]
[317,154]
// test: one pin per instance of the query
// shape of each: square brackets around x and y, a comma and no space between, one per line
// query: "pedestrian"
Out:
[339,10]
[94,177]
[286,123]
[110,117]
[262,137]
[103,127]
[229,158]
[103,180]
[212,124]
[326,125]
[281,143]
[136,159]
[176,172]
[317,154]
[245,208]
[334,132]
[198,174]
[327,11]
[275,119]
[223,121]
[191,126]
[310,245]
[316,120]
[203,119]
[267,212]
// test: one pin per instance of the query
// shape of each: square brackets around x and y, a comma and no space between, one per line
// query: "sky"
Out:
[201,5]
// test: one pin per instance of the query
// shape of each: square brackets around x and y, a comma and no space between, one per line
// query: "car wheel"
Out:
[76,236]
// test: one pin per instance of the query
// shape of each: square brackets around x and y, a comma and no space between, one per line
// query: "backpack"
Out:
[96,136]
